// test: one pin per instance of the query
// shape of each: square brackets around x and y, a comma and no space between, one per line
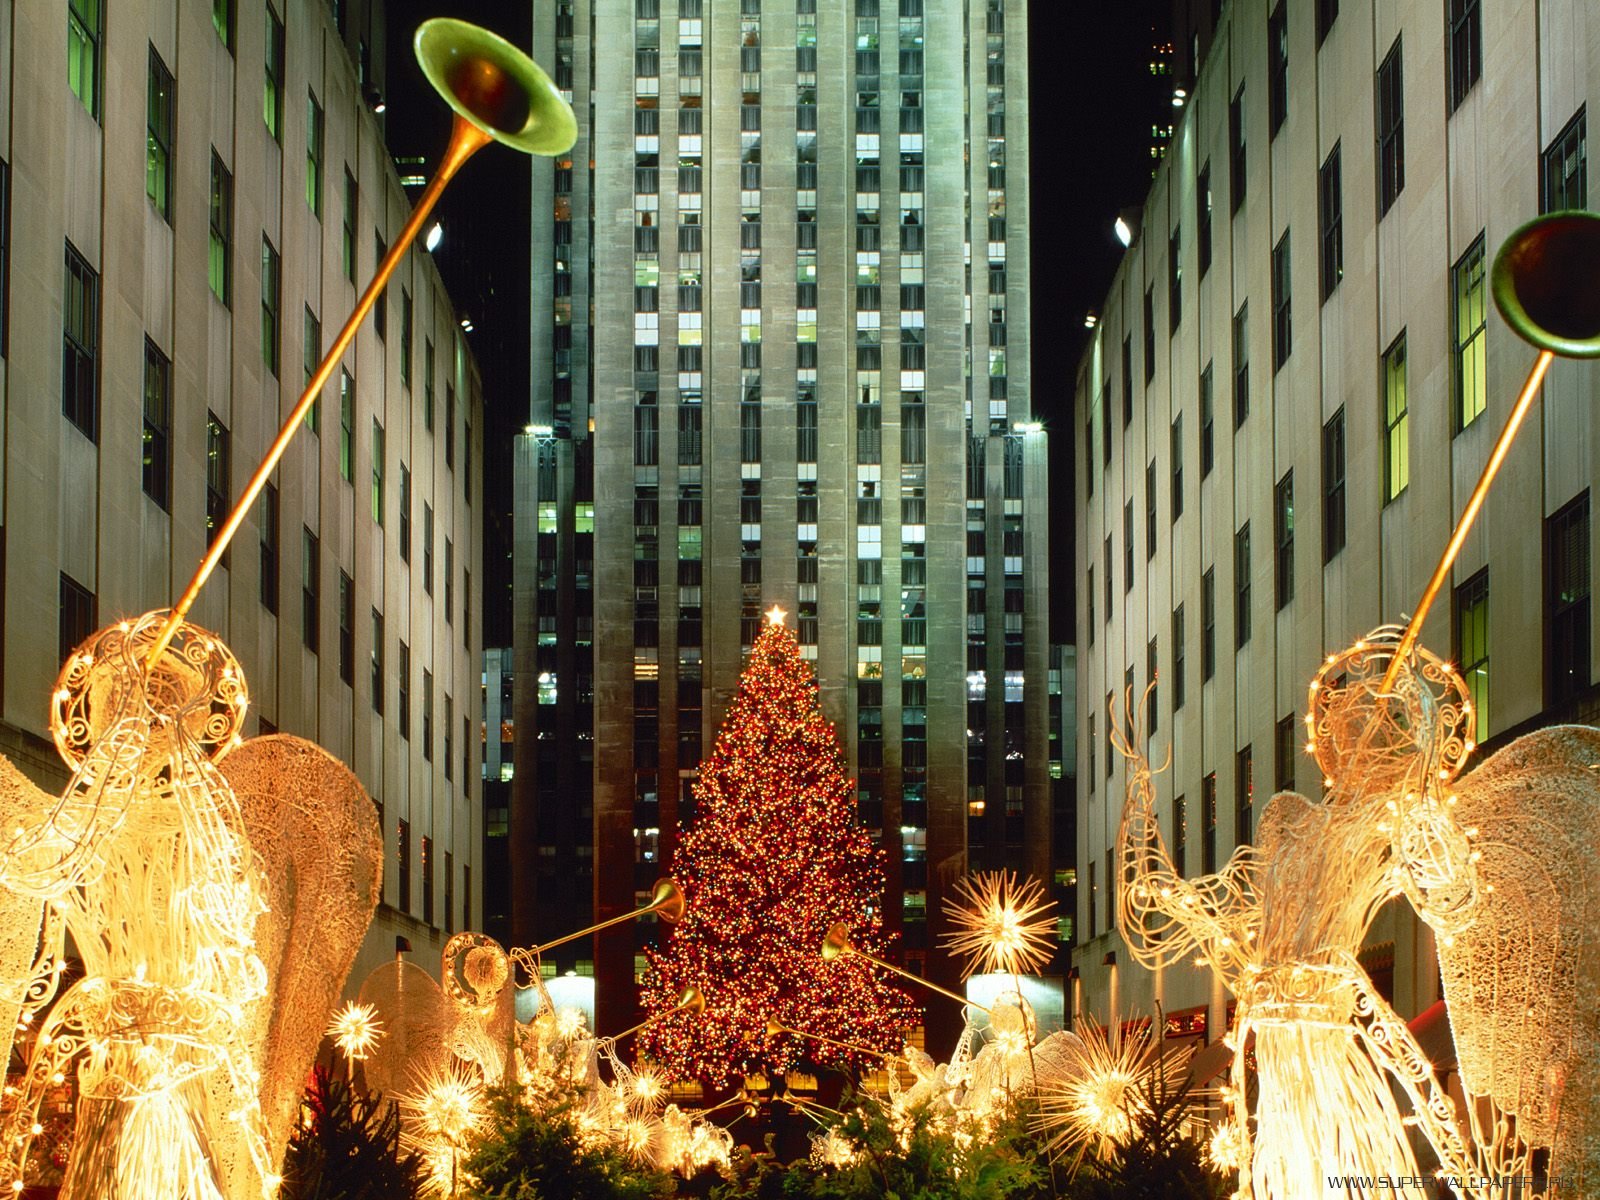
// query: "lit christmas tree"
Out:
[774,859]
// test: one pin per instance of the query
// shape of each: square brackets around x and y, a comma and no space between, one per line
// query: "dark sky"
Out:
[1093,101]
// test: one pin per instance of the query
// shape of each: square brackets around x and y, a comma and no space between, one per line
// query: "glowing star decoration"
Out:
[355,1029]
[1000,924]
[776,856]
[775,615]
[437,1120]
[1098,1102]
[1498,862]
[207,978]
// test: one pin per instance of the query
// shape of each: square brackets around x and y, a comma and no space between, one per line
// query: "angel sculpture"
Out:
[216,907]
[1499,878]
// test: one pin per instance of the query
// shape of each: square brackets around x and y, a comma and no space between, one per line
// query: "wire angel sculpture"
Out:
[1496,862]
[217,907]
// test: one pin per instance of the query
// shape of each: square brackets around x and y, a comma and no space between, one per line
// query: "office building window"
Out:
[1175,280]
[1333,486]
[222,20]
[1470,311]
[220,261]
[377,473]
[315,149]
[377,661]
[1175,452]
[84,29]
[1203,217]
[1127,389]
[405,513]
[1150,510]
[403,692]
[1283,539]
[1208,823]
[1109,578]
[1241,586]
[1391,131]
[449,885]
[80,372]
[427,384]
[347,235]
[427,547]
[1180,835]
[1327,13]
[1208,624]
[427,880]
[1152,699]
[78,616]
[347,629]
[272,94]
[1089,593]
[1277,68]
[1567,641]
[310,358]
[271,297]
[1236,151]
[449,426]
[1244,796]
[159,102]
[1564,174]
[5,255]
[1284,744]
[1396,438]
[380,307]
[427,715]
[269,549]
[1472,649]
[347,426]
[449,581]
[1241,363]
[1330,222]
[449,737]
[219,476]
[310,590]
[1466,48]
[403,858]
[1127,546]
[1208,424]
[1149,346]
[157,456]
[1178,638]
[1282,328]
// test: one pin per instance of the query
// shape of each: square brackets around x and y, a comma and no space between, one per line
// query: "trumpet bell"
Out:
[692,999]
[1546,283]
[495,86]
[667,900]
[774,1027]
[836,942]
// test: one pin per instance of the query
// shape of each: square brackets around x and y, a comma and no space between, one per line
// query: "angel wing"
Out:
[320,847]
[21,915]
[1522,975]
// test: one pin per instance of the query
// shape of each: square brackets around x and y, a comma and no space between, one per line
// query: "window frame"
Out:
[1389,115]
[1469,290]
[156,433]
[1242,624]
[1282,312]
[1277,68]
[160,128]
[1283,540]
[271,307]
[1330,222]
[1568,643]
[1465,59]
[86,36]
[219,263]
[1241,366]
[1396,420]
[80,349]
[1557,186]
[273,75]
[1334,466]
[1474,672]
[1238,154]
[316,153]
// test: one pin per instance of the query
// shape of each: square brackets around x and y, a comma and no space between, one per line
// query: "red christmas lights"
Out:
[774,858]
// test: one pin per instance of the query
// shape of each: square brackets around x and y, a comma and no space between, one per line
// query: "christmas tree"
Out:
[775,857]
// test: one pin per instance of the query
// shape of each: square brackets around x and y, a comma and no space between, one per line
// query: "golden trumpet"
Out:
[498,94]
[691,1000]
[776,1027]
[836,944]
[666,901]
[1546,284]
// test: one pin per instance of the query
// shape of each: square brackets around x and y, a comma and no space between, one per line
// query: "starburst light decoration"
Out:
[355,1029]
[1000,924]
[1098,1102]
[437,1119]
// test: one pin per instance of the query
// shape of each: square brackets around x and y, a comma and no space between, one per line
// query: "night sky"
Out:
[1093,102]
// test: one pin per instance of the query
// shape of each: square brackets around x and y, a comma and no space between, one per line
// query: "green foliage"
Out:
[929,1164]
[524,1154]
[349,1149]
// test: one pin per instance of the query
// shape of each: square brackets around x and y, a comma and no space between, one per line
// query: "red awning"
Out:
[1431,1028]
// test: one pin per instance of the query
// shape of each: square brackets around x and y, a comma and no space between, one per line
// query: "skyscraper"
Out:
[788,364]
